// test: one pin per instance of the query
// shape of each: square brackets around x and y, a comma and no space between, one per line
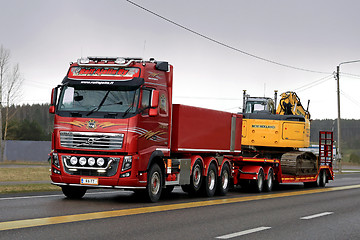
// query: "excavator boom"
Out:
[290,104]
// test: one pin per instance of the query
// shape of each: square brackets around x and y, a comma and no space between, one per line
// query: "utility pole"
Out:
[339,157]
[338,119]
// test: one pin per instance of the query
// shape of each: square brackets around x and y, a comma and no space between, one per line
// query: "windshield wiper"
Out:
[100,105]
[130,107]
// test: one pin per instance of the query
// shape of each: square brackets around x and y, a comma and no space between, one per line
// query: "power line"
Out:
[350,75]
[224,44]
[353,100]
[313,84]
[299,89]
[209,98]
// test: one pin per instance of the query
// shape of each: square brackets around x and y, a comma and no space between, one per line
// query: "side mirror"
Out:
[52,109]
[154,99]
[53,100]
[154,103]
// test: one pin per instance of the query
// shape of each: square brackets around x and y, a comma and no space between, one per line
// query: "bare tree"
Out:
[4,67]
[12,93]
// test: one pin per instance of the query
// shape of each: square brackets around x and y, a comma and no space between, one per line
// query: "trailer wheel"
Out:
[323,178]
[210,181]
[313,184]
[259,182]
[269,183]
[224,181]
[73,192]
[154,183]
[196,178]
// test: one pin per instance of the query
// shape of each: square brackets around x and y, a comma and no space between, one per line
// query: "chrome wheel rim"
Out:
[211,180]
[155,183]
[225,180]
[269,181]
[260,181]
[197,176]
[323,178]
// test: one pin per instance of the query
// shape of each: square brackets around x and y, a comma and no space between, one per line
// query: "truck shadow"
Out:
[129,197]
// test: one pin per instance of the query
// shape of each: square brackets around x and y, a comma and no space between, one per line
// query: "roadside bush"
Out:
[354,158]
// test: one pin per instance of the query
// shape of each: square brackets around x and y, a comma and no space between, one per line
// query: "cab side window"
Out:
[145,99]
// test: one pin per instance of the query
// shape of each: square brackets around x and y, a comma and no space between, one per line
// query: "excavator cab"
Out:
[258,104]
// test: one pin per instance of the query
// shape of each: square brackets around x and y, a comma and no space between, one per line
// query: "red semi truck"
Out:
[115,126]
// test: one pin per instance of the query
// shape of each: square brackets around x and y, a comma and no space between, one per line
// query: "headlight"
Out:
[82,161]
[100,162]
[91,161]
[127,163]
[55,160]
[73,160]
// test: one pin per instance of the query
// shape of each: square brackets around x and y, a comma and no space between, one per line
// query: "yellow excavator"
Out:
[278,133]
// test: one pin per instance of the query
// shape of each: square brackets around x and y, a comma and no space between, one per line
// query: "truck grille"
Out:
[89,140]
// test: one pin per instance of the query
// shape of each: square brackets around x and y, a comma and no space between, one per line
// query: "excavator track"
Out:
[299,163]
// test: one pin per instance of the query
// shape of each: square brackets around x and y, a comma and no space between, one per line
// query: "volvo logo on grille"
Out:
[90,141]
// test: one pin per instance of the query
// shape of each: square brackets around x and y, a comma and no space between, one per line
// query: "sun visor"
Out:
[131,84]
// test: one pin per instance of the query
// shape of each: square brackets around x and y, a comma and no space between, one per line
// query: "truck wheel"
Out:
[224,181]
[154,183]
[323,178]
[73,192]
[196,178]
[259,182]
[210,181]
[269,183]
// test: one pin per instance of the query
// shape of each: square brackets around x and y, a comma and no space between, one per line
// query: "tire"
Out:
[210,181]
[196,178]
[314,184]
[224,181]
[258,184]
[323,178]
[154,183]
[73,192]
[269,183]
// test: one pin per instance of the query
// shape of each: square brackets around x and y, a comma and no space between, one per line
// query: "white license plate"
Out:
[89,181]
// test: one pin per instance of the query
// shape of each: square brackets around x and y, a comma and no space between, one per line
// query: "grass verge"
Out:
[19,188]
[24,174]
[25,163]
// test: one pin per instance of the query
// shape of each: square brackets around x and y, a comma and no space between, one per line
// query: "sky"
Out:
[44,36]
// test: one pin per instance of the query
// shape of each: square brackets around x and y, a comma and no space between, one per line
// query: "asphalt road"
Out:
[291,212]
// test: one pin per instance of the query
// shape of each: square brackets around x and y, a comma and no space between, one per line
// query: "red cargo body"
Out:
[203,130]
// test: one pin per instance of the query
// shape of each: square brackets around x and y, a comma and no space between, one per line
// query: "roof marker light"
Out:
[83,60]
[120,61]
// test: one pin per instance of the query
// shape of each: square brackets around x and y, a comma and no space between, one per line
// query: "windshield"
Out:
[90,101]
[255,106]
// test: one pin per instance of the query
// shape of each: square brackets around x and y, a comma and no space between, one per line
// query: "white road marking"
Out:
[237,234]
[57,195]
[316,215]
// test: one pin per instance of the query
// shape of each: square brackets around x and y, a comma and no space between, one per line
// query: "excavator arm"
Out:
[290,104]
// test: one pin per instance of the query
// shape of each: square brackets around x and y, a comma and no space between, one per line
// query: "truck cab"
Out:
[112,119]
